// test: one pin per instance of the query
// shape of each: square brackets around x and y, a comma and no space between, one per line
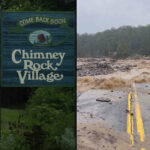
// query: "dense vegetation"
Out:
[120,43]
[39,5]
[47,122]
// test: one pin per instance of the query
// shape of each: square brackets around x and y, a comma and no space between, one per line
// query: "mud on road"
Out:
[102,104]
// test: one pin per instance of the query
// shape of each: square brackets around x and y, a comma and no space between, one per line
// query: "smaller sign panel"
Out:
[38,48]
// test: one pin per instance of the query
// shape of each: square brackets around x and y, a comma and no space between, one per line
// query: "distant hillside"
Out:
[119,43]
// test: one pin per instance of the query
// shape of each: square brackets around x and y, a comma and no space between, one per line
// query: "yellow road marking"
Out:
[130,120]
[139,121]
[129,116]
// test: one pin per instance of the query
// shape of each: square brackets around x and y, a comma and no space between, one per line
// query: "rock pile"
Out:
[102,66]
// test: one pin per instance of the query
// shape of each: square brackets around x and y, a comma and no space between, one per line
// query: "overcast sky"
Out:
[99,15]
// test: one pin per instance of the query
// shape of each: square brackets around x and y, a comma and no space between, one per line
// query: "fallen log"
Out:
[102,99]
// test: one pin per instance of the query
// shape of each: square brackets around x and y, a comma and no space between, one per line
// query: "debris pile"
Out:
[101,66]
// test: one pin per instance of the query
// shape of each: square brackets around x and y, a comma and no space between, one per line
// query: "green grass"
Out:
[9,115]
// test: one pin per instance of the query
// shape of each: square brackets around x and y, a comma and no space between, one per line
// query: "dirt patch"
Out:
[86,83]
[143,64]
[142,78]
[113,83]
[98,136]
[86,80]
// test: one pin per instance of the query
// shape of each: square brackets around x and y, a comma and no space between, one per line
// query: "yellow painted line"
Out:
[132,137]
[130,120]
[139,121]
[129,116]
[142,148]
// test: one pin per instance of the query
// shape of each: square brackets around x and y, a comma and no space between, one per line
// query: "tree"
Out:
[39,5]
[122,50]
[123,42]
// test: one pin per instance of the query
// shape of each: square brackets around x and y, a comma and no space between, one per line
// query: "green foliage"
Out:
[9,115]
[51,112]
[122,50]
[12,142]
[38,5]
[64,100]
[46,124]
[122,42]
[68,140]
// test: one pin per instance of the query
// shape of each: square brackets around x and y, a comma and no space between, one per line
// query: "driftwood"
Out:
[102,99]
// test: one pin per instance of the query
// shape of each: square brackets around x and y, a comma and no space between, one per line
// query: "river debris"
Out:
[100,66]
[103,99]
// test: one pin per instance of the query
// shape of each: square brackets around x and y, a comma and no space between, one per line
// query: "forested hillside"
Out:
[119,43]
